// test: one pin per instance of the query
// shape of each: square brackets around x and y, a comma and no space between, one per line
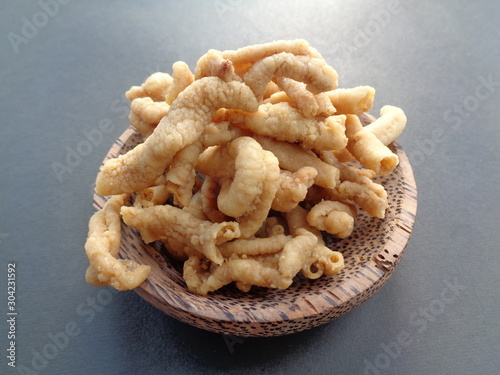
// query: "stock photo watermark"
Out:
[378,21]
[455,118]
[11,314]
[418,322]
[90,139]
[30,26]
[58,341]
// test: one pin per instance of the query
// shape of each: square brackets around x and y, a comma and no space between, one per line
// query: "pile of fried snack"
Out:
[244,164]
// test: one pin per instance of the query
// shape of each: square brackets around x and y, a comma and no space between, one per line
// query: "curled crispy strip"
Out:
[251,54]
[155,87]
[317,75]
[213,64]
[253,219]
[325,260]
[272,226]
[296,252]
[333,217]
[145,114]
[389,125]
[328,175]
[304,99]
[209,192]
[181,175]
[322,260]
[254,246]
[186,119]
[102,246]
[325,106]
[293,188]
[218,133]
[353,100]
[368,149]
[271,88]
[170,221]
[182,78]
[285,123]
[367,194]
[239,195]
[249,271]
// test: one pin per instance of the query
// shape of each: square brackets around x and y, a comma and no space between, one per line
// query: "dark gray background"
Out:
[432,58]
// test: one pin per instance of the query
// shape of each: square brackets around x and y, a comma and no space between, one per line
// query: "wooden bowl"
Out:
[371,254]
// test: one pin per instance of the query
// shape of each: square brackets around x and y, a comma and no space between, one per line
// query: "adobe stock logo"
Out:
[31,25]
[455,117]
[418,322]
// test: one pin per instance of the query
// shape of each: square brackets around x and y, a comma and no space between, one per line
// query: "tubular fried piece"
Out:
[368,149]
[182,78]
[352,101]
[328,175]
[285,123]
[389,125]
[102,246]
[252,54]
[187,117]
[155,87]
[170,221]
[333,217]
[293,188]
[314,72]
[145,114]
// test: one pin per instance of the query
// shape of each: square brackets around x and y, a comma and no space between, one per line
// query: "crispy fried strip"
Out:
[183,125]
[102,246]
[213,64]
[304,99]
[272,226]
[209,192]
[145,114]
[368,149]
[333,217]
[238,195]
[155,87]
[292,158]
[181,175]
[254,246]
[253,219]
[296,252]
[152,196]
[248,271]
[328,261]
[218,133]
[322,260]
[353,100]
[293,188]
[317,75]
[182,78]
[251,54]
[271,88]
[356,185]
[285,123]
[325,106]
[389,125]
[183,226]
[369,195]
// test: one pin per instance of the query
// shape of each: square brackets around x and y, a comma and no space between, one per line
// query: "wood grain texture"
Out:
[371,254]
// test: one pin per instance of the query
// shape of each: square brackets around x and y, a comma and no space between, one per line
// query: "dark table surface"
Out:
[65,66]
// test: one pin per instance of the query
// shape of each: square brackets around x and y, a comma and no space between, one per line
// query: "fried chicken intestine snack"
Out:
[242,168]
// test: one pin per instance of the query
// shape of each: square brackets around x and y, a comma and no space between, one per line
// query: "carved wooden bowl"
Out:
[371,254]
